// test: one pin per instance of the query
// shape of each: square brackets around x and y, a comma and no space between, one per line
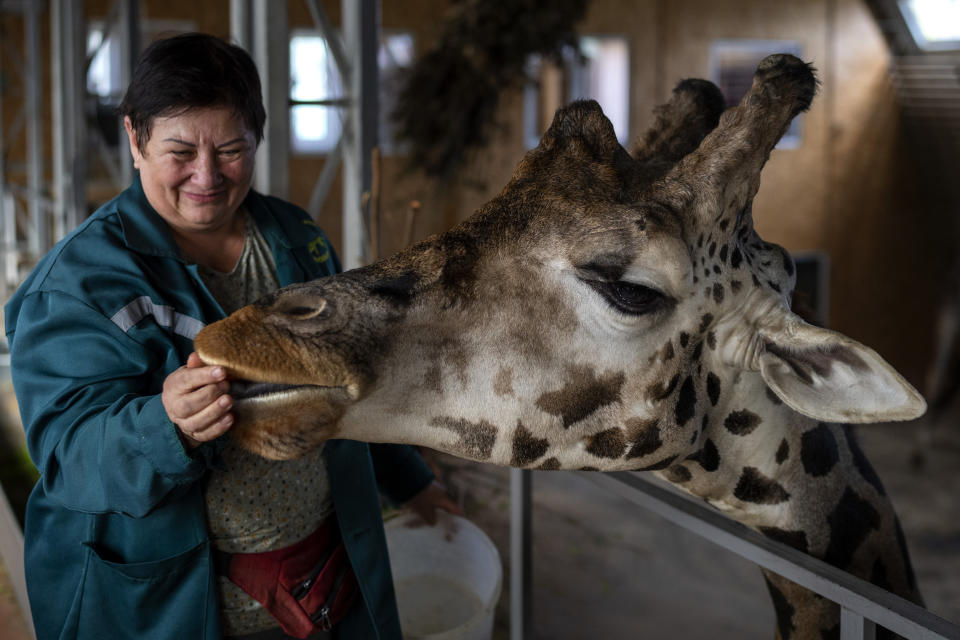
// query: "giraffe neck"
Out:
[803,483]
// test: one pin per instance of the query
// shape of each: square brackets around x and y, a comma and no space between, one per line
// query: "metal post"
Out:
[361,35]
[39,240]
[128,23]
[854,626]
[69,129]
[521,562]
[241,31]
[271,51]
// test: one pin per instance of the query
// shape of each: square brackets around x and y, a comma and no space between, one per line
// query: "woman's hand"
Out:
[195,398]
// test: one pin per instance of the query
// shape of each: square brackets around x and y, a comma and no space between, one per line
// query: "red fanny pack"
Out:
[307,586]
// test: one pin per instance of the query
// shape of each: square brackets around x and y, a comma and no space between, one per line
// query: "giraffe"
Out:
[606,312]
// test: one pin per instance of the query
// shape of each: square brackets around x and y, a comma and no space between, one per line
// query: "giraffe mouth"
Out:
[251,391]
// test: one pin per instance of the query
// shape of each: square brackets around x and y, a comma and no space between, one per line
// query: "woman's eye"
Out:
[628,297]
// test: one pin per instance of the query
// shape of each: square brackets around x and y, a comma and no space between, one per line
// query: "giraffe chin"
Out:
[288,424]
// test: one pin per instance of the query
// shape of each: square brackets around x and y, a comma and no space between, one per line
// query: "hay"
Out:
[448,100]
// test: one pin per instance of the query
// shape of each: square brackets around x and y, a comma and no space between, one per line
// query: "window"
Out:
[314,76]
[732,65]
[600,70]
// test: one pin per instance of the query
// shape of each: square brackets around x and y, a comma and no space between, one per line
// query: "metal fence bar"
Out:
[859,596]
[521,561]
[854,626]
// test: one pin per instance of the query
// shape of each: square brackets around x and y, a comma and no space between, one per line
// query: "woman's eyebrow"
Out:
[191,144]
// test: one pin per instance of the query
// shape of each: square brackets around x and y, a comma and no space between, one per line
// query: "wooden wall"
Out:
[854,188]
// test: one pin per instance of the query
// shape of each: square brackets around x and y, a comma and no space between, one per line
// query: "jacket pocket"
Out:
[165,598]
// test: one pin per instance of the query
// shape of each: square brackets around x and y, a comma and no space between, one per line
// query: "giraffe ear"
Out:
[828,376]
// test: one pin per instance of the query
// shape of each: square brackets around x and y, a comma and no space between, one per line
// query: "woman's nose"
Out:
[206,172]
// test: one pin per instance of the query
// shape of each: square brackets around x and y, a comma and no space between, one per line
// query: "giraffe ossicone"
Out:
[609,311]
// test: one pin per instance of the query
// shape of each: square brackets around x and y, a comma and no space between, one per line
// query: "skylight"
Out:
[934,24]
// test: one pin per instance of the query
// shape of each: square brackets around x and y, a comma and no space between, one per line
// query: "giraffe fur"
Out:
[610,311]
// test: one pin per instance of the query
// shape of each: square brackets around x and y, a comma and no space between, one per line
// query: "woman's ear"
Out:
[132,137]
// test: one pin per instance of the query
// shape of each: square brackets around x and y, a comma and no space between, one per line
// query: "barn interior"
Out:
[862,191]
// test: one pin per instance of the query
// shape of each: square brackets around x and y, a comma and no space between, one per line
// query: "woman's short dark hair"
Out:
[192,70]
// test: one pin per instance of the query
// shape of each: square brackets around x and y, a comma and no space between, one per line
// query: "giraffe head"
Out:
[592,315]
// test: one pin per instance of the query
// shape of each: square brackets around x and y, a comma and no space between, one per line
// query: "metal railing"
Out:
[863,605]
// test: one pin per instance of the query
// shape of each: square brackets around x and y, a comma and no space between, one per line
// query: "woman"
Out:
[147,521]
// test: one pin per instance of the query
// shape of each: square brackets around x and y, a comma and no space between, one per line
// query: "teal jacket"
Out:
[116,537]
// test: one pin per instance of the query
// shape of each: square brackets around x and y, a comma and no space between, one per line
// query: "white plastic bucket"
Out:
[447,583]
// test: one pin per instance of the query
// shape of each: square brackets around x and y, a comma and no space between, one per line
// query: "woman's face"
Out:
[196,168]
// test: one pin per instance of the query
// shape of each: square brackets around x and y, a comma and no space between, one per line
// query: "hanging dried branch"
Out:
[448,100]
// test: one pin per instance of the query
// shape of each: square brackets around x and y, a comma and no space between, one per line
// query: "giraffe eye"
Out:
[630,298]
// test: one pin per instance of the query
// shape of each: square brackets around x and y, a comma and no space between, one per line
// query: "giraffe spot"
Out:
[607,444]
[713,388]
[773,285]
[741,423]
[712,249]
[660,391]
[736,258]
[658,466]
[818,450]
[717,270]
[902,545]
[550,464]
[757,488]
[712,340]
[526,447]
[582,396]
[795,539]
[860,461]
[783,451]
[700,241]
[668,353]
[717,292]
[878,575]
[684,339]
[397,290]
[644,437]
[697,351]
[678,474]
[724,224]
[787,261]
[686,402]
[476,438]
[850,522]
[735,286]
[433,379]
[783,609]
[723,253]
[705,322]
[709,456]
[503,382]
